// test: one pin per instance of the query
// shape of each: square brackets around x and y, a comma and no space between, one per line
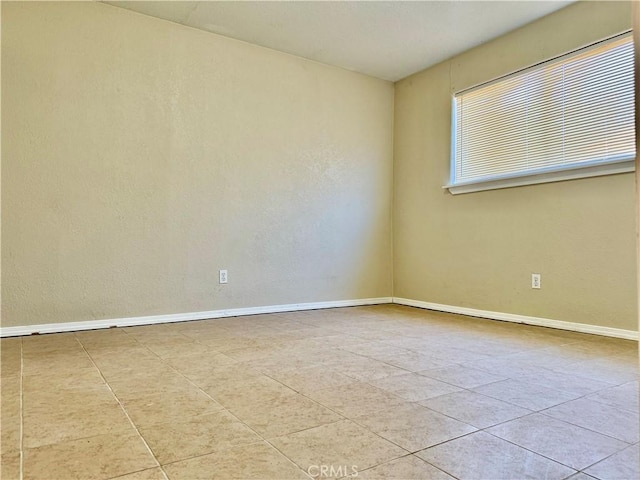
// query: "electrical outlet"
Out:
[535,280]
[223,276]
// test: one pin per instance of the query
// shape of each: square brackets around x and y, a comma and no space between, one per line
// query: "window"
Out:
[570,117]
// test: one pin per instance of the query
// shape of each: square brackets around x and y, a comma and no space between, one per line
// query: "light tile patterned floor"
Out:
[387,392]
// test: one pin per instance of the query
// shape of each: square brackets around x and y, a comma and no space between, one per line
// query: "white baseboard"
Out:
[182,317]
[237,312]
[511,317]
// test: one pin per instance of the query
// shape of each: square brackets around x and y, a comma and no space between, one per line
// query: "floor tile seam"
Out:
[261,440]
[210,350]
[354,382]
[273,437]
[411,401]
[368,357]
[637,381]
[542,412]
[405,456]
[571,391]
[607,404]
[510,376]
[412,452]
[625,410]
[290,459]
[538,412]
[576,470]
[599,378]
[543,370]
[354,421]
[368,382]
[412,371]
[584,349]
[355,379]
[71,410]
[342,416]
[305,472]
[135,427]
[212,452]
[129,473]
[229,412]
[458,386]
[484,429]
[398,367]
[531,412]
[478,429]
[472,390]
[600,461]
[520,406]
[74,439]
[421,352]
[592,372]
[442,443]
[585,397]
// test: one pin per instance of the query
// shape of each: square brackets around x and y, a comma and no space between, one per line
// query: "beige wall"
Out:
[478,250]
[140,157]
[636,41]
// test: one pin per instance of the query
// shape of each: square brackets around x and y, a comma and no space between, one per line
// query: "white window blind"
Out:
[574,112]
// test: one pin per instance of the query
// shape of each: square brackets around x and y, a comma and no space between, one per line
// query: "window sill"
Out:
[546,177]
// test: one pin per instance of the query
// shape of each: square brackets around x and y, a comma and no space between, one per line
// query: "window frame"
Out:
[554,173]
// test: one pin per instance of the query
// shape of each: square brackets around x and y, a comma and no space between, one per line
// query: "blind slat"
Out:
[569,111]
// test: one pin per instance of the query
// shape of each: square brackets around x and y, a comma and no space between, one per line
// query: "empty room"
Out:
[319,240]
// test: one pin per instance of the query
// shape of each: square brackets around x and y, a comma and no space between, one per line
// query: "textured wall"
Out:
[140,157]
[636,41]
[478,250]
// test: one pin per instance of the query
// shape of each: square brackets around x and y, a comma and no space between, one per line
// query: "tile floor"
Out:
[387,392]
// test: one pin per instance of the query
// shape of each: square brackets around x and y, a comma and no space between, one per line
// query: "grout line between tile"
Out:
[213,399]
[458,437]
[405,456]
[535,453]
[124,410]
[349,420]
[337,413]
[130,473]
[583,427]
[162,360]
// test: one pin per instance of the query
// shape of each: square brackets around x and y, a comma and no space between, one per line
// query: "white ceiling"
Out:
[385,39]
